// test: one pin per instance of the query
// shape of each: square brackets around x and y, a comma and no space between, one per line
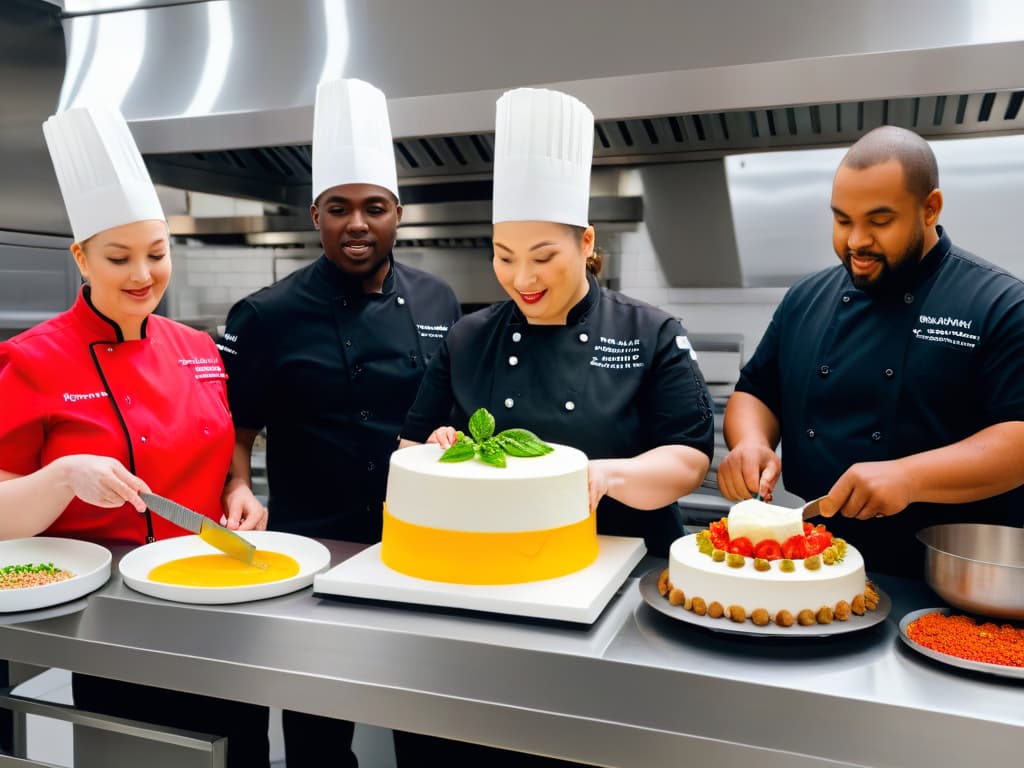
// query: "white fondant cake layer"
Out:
[774,590]
[529,494]
[759,521]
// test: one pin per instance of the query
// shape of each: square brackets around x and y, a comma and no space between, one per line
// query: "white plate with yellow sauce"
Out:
[89,563]
[137,567]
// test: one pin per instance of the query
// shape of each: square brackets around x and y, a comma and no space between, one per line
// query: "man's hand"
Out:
[750,467]
[870,489]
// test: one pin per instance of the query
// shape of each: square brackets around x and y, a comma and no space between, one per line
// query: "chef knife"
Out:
[228,542]
[813,508]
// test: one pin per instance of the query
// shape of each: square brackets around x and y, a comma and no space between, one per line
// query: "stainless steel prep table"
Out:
[634,689]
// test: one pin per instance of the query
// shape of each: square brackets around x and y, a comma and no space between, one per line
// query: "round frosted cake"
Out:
[764,563]
[468,522]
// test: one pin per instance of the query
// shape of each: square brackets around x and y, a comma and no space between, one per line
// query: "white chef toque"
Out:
[352,137]
[99,169]
[543,147]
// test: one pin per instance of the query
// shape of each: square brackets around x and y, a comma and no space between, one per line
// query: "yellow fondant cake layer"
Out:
[468,557]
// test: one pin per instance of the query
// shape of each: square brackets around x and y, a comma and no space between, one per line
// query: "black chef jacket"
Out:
[855,377]
[331,371]
[615,381]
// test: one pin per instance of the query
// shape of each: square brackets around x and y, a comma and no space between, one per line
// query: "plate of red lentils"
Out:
[42,571]
[979,644]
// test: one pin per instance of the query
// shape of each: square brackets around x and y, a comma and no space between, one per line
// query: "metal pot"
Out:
[977,568]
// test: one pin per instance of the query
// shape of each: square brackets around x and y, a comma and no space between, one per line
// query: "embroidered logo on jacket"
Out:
[224,347]
[951,331]
[432,331]
[616,354]
[74,397]
[204,367]
[684,343]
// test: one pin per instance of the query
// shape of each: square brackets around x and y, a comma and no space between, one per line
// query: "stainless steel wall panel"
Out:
[31,69]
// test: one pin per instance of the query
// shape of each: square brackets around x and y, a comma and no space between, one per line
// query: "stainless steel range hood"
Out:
[282,174]
[464,224]
[219,94]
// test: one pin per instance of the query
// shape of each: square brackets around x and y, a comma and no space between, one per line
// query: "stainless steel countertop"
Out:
[635,689]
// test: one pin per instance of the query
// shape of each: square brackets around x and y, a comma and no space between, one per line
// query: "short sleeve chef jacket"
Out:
[856,377]
[330,372]
[617,380]
[157,404]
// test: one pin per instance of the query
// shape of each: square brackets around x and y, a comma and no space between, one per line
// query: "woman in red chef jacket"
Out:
[107,400]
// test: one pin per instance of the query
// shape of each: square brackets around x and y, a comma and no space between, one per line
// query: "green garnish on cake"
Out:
[490,448]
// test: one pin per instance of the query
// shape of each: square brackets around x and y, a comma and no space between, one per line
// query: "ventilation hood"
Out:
[219,94]
[281,174]
[461,224]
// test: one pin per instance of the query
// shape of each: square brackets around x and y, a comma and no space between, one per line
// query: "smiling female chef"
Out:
[573,362]
[106,400]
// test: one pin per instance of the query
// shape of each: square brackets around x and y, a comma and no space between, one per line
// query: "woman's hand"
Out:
[443,436]
[601,478]
[242,510]
[102,481]
[651,480]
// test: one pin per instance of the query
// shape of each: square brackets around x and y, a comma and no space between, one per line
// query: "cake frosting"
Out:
[773,590]
[472,523]
[758,521]
[765,559]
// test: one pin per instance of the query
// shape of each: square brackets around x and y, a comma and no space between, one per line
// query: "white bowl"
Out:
[312,556]
[89,562]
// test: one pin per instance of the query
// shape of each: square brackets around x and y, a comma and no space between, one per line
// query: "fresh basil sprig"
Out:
[481,425]
[522,442]
[492,448]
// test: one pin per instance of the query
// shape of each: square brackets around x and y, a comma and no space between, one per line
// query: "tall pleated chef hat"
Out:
[99,170]
[543,148]
[352,137]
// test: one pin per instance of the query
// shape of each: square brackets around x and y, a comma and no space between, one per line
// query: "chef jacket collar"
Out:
[98,325]
[579,312]
[916,276]
[348,285]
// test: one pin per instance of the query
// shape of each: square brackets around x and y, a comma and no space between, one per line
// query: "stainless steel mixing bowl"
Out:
[977,568]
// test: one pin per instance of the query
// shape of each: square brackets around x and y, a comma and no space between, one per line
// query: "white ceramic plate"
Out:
[649,590]
[311,555]
[1002,670]
[89,562]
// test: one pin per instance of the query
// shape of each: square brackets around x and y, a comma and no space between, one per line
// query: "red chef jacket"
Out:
[158,404]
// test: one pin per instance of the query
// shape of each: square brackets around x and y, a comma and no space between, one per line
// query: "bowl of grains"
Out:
[977,568]
[44,571]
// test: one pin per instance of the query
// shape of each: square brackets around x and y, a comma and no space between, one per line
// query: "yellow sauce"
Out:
[224,571]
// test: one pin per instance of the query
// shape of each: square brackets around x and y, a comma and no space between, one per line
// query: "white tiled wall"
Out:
[208,280]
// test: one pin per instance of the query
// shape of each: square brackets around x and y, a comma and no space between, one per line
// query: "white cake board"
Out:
[579,597]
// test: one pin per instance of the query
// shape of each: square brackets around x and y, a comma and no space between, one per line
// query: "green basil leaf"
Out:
[481,425]
[492,453]
[463,450]
[522,442]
